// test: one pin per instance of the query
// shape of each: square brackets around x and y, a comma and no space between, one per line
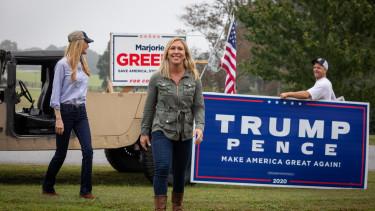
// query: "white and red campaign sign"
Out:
[134,57]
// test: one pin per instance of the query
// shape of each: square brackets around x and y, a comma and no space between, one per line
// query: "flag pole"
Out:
[216,43]
[229,55]
[230,27]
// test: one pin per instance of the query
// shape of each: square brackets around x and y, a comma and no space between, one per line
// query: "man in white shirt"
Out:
[322,89]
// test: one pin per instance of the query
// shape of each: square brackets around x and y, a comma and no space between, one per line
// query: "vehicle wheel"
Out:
[148,168]
[124,159]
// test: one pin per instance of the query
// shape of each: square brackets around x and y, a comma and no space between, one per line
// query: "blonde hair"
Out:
[188,61]
[74,55]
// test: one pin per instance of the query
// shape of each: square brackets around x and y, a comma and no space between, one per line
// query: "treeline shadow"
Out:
[34,174]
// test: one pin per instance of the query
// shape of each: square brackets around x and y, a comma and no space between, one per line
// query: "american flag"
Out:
[228,62]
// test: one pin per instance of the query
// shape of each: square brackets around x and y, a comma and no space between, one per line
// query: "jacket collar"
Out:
[188,74]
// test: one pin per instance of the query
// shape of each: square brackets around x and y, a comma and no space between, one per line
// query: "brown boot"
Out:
[177,199]
[160,203]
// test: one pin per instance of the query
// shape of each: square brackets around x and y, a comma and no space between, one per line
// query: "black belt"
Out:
[66,105]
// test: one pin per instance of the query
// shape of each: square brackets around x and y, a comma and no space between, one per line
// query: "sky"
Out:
[40,23]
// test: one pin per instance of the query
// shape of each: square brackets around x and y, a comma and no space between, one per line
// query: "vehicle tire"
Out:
[124,159]
[148,168]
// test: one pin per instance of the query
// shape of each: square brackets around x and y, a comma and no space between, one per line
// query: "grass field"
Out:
[33,78]
[33,84]
[20,190]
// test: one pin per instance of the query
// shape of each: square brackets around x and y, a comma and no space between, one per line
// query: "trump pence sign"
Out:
[134,57]
[268,141]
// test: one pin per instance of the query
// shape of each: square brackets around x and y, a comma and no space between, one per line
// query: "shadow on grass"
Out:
[33,174]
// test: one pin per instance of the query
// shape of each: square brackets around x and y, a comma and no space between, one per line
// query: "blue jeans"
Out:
[167,152]
[74,118]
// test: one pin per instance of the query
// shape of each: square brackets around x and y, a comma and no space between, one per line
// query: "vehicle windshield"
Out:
[3,70]
[30,75]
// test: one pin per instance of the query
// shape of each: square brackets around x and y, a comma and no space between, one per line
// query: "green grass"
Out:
[95,82]
[32,78]
[372,140]
[33,84]
[20,190]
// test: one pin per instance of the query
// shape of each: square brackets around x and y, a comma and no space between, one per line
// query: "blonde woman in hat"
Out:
[174,103]
[69,103]
[322,89]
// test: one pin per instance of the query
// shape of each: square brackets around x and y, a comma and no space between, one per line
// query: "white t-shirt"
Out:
[322,90]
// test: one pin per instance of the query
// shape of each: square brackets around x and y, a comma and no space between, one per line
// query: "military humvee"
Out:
[115,118]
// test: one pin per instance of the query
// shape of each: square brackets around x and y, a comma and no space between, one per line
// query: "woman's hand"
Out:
[198,134]
[59,126]
[145,141]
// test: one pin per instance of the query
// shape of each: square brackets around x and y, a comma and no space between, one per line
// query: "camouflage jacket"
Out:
[173,108]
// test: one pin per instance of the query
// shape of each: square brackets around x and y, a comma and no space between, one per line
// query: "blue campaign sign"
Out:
[268,141]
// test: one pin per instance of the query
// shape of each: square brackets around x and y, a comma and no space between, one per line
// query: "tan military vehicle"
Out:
[28,124]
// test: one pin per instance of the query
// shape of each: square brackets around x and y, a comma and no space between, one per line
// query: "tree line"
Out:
[93,57]
[277,39]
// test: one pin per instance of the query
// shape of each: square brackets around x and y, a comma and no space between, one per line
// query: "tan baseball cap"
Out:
[79,35]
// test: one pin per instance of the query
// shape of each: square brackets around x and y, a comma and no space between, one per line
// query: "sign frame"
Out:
[139,75]
[203,169]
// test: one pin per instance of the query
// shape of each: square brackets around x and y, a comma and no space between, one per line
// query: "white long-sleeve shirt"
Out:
[64,90]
